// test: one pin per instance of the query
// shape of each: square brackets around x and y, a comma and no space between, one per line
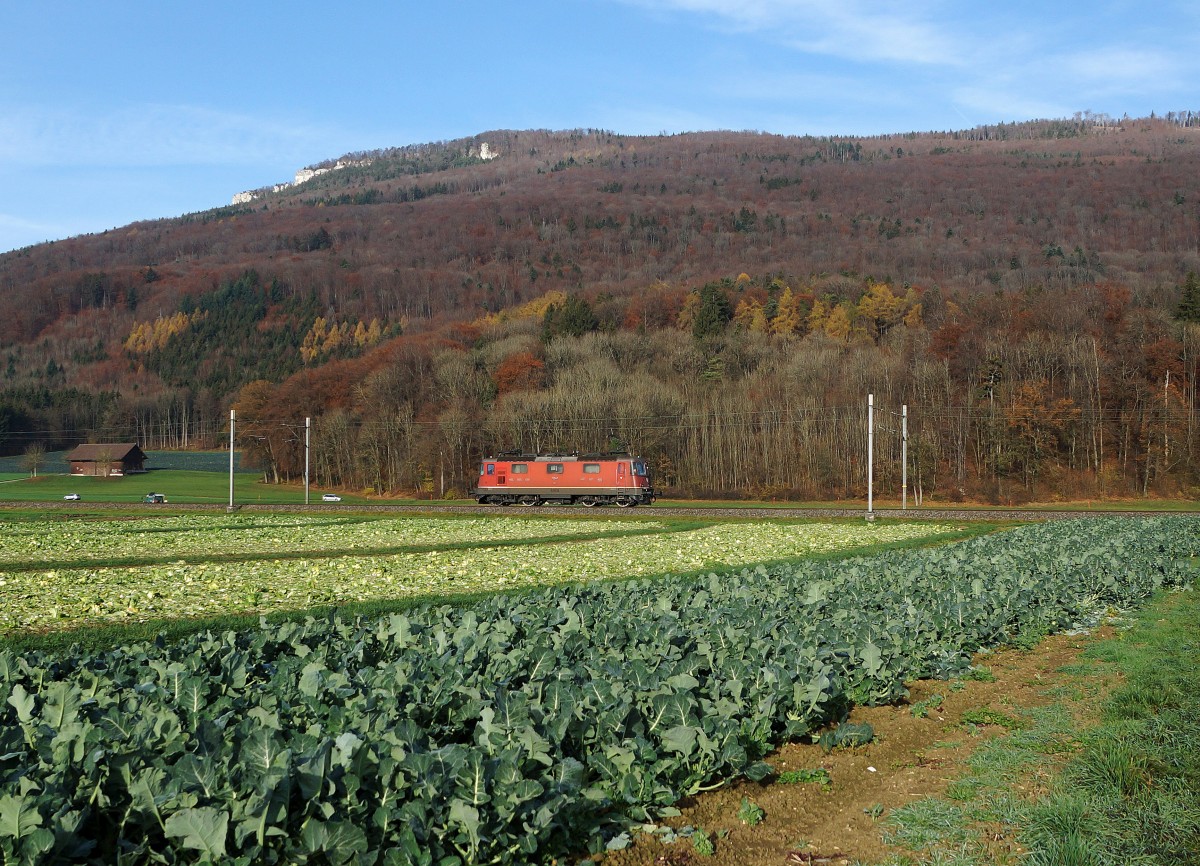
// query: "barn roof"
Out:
[94,451]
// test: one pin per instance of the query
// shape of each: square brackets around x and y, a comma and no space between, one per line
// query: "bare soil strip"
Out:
[912,757]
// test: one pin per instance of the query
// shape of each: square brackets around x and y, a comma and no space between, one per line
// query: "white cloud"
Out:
[1122,70]
[654,119]
[860,31]
[17,232]
[1011,61]
[154,135]
[10,223]
[991,104]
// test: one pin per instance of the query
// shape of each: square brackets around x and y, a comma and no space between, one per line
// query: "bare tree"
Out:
[34,458]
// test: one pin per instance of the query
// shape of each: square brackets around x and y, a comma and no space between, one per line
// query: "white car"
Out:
[72,497]
[330,497]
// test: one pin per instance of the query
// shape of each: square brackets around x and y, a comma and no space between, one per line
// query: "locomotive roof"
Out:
[559,458]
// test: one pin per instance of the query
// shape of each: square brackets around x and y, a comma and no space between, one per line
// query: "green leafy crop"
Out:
[520,727]
[750,813]
[805,776]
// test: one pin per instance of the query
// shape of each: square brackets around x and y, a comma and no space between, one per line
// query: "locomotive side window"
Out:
[639,468]
[591,468]
[554,468]
[519,468]
[491,469]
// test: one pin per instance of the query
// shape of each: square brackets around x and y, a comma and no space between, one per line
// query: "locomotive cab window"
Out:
[639,468]
[519,468]
[591,468]
[554,468]
[491,469]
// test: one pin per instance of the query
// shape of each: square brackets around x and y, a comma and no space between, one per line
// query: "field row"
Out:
[185,536]
[57,597]
[518,728]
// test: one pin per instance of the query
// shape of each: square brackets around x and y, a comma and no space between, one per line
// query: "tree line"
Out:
[1010,398]
[1023,288]
[747,386]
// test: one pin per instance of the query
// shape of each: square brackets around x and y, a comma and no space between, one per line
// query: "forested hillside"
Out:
[720,302]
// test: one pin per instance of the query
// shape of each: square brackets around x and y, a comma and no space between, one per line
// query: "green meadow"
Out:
[180,486]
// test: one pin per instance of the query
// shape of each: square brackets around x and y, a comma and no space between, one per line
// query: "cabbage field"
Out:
[192,535]
[517,727]
[205,565]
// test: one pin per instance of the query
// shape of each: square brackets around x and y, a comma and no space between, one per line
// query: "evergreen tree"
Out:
[1189,304]
[573,319]
[713,314]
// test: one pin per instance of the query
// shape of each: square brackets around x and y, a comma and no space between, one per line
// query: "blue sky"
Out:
[118,111]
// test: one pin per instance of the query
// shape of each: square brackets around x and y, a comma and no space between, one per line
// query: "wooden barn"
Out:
[105,459]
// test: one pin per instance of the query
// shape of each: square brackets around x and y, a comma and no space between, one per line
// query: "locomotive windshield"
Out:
[639,468]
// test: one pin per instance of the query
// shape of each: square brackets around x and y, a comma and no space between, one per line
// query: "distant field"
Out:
[55,462]
[184,477]
[196,477]
[180,486]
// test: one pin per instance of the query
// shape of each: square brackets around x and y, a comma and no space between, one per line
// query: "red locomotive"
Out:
[564,479]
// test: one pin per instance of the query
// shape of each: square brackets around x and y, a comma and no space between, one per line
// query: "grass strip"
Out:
[1126,790]
[1132,794]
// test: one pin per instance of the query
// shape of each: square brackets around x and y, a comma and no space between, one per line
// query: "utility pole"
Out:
[904,457]
[1166,409]
[232,421]
[870,457]
[307,428]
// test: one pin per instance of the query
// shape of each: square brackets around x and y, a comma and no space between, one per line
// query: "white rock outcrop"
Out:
[304,175]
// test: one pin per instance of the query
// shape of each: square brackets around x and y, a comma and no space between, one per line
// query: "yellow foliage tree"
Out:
[880,309]
[325,337]
[788,317]
[817,316]
[532,309]
[838,323]
[148,336]
[751,316]
[915,317]
[338,336]
[687,313]
[310,346]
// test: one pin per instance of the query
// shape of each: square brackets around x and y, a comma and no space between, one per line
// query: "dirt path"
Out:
[912,758]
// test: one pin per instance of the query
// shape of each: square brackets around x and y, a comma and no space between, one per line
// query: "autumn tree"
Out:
[262,431]
[521,371]
[1037,424]
[818,315]
[839,323]
[789,314]
[750,315]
